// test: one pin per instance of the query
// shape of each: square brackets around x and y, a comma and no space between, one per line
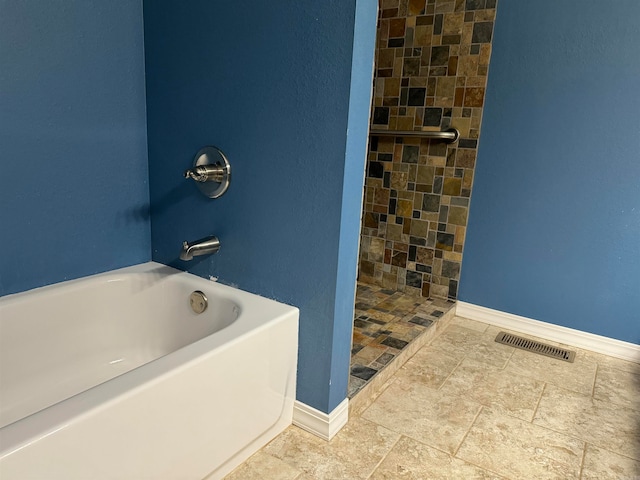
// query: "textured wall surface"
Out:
[277,89]
[554,230]
[73,163]
[432,60]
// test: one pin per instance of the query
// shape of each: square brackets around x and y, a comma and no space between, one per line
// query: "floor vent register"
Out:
[536,347]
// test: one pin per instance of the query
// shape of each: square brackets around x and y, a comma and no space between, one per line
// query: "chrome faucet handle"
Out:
[211,172]
[206,173]
[191,174]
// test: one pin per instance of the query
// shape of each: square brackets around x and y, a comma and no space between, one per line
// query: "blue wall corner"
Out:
[73,176]
[555,214]
[271,88]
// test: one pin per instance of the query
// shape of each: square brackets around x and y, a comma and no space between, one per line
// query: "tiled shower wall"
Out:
[432,58]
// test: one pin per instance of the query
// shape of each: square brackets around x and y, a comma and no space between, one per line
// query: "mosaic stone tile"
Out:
[431,64]
[397,27]
[452,186]
[380,116]
[375,170]
[362,372]
[425,322]
[385,358]
[473,97]
[355,385]
[444,241]
[368,354]
[482,32]
[437,25]
[395,343]
[475,4]
[430,202]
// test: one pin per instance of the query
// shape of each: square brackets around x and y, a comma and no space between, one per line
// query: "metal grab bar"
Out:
[448,136]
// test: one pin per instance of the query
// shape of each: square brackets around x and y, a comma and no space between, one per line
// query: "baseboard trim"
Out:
[324,425]
[568,336]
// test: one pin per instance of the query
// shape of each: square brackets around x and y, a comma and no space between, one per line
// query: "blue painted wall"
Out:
[353,182]
[554,227]
[280,92]
[73,167]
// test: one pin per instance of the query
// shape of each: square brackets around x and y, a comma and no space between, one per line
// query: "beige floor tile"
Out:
[470,324]
[585,415]
[506,392]
[519,449]
[428,368]
[353,453]
[412,460]
[578,376]
[618,386]
[461,342]
[600,464]
[612,362]
[423,414]
[601,423]
[261,466]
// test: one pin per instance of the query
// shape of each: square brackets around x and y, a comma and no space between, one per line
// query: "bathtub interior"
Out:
[61,340]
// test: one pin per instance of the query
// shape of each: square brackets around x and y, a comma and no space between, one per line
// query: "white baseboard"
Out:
[324,425]
[548,331]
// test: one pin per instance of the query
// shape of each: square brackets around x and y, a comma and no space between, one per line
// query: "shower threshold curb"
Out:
[367,395]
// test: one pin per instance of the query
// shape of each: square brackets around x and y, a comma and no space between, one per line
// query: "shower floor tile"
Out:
[385,323]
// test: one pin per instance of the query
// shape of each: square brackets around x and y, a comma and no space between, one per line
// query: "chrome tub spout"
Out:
[204,246]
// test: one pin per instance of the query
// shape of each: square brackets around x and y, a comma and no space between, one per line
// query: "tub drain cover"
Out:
[535,347]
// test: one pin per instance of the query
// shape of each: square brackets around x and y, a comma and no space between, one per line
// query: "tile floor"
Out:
[465,407]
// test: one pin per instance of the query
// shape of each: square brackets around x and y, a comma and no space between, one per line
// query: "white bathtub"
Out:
[115,377]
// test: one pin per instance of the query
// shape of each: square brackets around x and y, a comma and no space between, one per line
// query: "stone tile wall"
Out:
[432,59]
